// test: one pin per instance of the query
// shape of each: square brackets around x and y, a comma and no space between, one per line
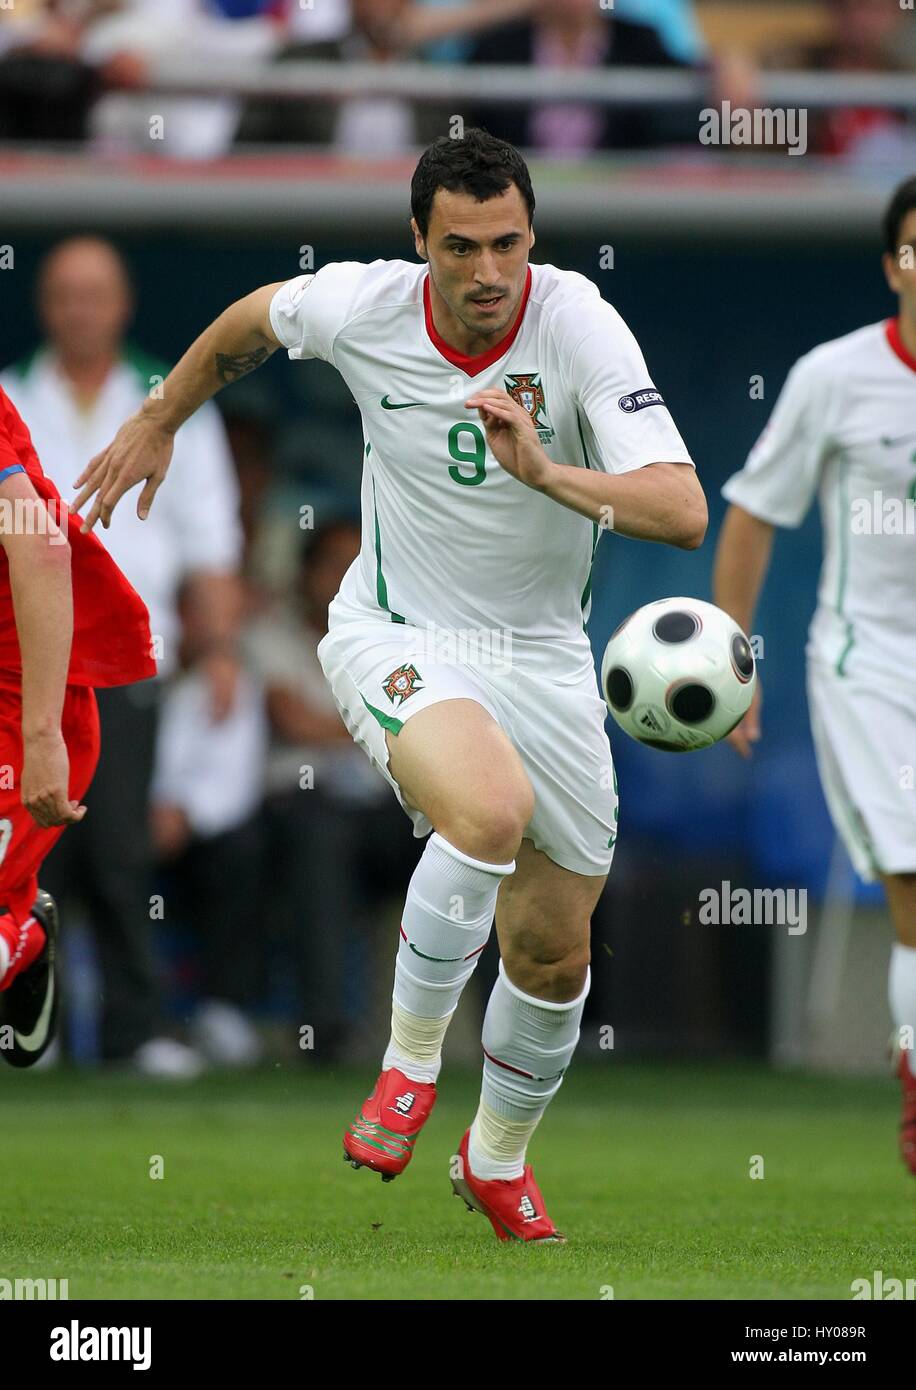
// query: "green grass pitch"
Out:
[646,1169]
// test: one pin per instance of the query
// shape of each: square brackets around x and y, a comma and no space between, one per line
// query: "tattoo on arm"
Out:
[231,368]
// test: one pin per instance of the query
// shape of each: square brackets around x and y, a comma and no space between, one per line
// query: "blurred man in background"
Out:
[187,126]
[77,69]
[47,87]
[377,31]
[675,22]
[335,854]
[863,36]
[573,34]
[207,791]
[75,389]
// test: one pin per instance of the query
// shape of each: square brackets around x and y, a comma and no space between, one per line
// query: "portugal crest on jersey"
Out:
[526,390]
[402,683]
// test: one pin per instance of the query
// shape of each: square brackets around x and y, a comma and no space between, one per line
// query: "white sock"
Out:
[447,919]
[901,988]
[4,957]
[528,1043]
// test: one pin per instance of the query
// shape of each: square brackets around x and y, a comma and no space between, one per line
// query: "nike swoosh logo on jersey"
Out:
[388,404]
[903,439]
[31,1042]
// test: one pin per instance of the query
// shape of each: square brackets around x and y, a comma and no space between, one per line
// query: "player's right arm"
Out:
[775,488]
[38,556]
[740,570]
[237,342]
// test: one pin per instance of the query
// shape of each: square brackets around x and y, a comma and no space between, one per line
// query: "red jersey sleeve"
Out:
[111,637]
[10,461]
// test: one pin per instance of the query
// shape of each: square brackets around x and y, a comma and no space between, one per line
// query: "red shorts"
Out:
[23,844]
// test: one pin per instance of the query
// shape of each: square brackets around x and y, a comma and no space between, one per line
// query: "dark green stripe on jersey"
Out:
[596,529]
[381,588]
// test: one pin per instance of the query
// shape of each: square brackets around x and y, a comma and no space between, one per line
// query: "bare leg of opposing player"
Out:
[455,763]
[901,897]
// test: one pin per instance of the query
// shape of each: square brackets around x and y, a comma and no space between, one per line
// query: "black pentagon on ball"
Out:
[691,702]
[619,688]
[742,657]
[676,627]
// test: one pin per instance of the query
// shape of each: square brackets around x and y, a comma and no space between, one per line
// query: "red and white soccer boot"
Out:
[514,1207]
[908,1117]
[384,1132]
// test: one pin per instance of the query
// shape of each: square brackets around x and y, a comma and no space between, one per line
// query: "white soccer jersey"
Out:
[844,427]
[450,540]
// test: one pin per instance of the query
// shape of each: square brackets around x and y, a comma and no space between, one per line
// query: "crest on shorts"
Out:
[526,390]
[402,683]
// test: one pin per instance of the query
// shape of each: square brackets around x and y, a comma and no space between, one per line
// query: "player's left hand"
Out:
[45,781]
[141,450]
[512,437]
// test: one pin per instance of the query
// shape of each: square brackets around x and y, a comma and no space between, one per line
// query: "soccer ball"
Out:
[678,674]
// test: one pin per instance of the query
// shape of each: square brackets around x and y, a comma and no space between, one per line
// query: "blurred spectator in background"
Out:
[674,21]
[573,34]
[68,67]
[47,87]
[865,36]
[75,392]
[193,30]
[334,851]
[317,23]
[384,30]
[446,50]
[381,31]
[207,789]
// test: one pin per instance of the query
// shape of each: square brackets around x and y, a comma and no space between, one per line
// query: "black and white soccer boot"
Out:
[28,1009]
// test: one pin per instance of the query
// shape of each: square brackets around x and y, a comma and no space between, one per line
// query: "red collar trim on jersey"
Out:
[473,365]
[897,345]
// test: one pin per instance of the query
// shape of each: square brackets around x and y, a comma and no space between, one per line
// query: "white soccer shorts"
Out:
[865,740]
[381,674]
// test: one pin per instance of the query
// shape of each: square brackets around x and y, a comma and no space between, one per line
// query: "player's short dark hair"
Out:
[478,164]
[903,202]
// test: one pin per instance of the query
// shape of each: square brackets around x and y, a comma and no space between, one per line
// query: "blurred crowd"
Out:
[85,70]
[240,852]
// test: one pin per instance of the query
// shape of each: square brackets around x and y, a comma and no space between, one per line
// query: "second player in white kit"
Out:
[844,430]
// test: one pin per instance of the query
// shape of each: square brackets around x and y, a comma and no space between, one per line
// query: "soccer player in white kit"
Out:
[844,428]
[508,416]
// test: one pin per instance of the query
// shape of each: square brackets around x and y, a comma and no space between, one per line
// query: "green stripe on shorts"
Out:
[387,721]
